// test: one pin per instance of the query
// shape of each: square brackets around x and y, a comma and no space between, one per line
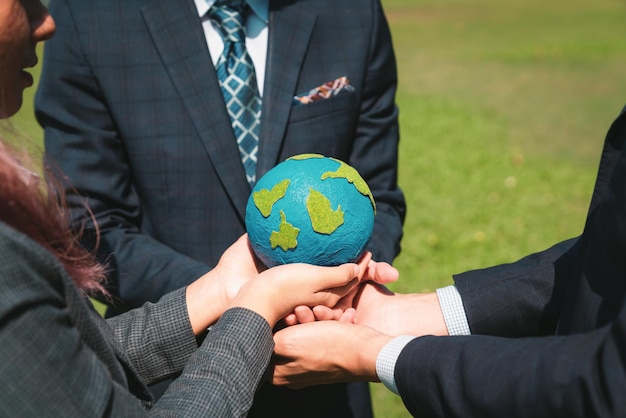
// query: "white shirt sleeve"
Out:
[453,311]
[387,358]
[456,322]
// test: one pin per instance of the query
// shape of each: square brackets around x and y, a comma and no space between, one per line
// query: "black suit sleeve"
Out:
[513,300]
[580,375]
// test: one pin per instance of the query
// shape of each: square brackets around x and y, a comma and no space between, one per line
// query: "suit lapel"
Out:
[178,36]
[290,28]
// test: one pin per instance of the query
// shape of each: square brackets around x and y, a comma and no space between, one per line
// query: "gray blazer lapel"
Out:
[290,28]
[179,38]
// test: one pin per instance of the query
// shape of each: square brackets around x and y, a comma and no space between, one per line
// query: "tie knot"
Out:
[229,18]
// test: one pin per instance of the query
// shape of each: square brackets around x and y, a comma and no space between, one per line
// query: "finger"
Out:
[348,316]
[363,262]
[290,319]
[334,295]
[257,263]
[304,314]
[381,272]
[324,277]
[324,313]
[348,300]
[343,275]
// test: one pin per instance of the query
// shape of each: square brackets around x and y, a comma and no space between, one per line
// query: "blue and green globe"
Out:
[310,209]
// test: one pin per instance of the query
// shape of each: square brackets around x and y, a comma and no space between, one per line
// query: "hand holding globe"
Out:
[310,209]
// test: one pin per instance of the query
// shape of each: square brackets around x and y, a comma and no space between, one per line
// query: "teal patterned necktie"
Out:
[235,72]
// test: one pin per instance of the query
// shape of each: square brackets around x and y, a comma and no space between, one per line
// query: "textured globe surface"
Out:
[310,209]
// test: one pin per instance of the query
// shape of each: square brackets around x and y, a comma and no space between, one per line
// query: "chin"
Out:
[8,109]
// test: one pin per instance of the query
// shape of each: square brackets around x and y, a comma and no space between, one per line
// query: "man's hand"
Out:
[399,314]
[326,352]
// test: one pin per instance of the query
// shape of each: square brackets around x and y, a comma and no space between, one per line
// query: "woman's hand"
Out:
[210,295]
[236,266]
[373,272]
[278,290]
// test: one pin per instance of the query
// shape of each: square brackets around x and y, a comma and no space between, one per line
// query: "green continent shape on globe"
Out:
[324,219]
[264,199]
[287,235]
[305,156]
[349,173]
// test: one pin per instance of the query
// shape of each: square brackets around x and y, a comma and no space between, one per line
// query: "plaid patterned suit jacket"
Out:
[59,358]
[575,300]
[134,116]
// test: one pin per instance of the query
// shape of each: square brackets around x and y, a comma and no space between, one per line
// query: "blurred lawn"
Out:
[504,106]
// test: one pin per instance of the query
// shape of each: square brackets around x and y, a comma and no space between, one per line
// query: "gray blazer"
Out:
[60,358]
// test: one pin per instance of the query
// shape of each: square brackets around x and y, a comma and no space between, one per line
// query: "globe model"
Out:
[310,209]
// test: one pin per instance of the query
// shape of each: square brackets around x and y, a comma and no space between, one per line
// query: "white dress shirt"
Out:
[256,35]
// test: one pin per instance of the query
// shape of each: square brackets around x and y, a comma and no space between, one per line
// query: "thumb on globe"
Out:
[380,272]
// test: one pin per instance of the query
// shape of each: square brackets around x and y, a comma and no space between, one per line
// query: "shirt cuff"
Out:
[386,361]
[453,310]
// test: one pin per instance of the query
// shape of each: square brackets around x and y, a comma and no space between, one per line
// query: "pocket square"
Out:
[325,91]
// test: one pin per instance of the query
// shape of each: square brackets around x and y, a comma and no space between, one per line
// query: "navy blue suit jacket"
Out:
[564,316]
[134,117]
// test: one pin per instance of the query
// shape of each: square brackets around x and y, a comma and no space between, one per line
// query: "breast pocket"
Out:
[324,127]
[325,107]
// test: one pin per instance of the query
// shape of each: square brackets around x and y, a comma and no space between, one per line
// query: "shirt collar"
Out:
[259,7]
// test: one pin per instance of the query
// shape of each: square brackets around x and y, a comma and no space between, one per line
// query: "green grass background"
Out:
[504,106]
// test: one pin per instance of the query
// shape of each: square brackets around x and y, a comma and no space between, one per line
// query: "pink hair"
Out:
[35,208]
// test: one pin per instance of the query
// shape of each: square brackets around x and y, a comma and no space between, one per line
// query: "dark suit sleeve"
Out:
[375,149]
[81,137]
[580,375]
[514,300]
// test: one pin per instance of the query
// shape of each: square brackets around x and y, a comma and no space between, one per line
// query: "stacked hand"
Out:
[240,280]
[327,309]
[341,344]
[374,275]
